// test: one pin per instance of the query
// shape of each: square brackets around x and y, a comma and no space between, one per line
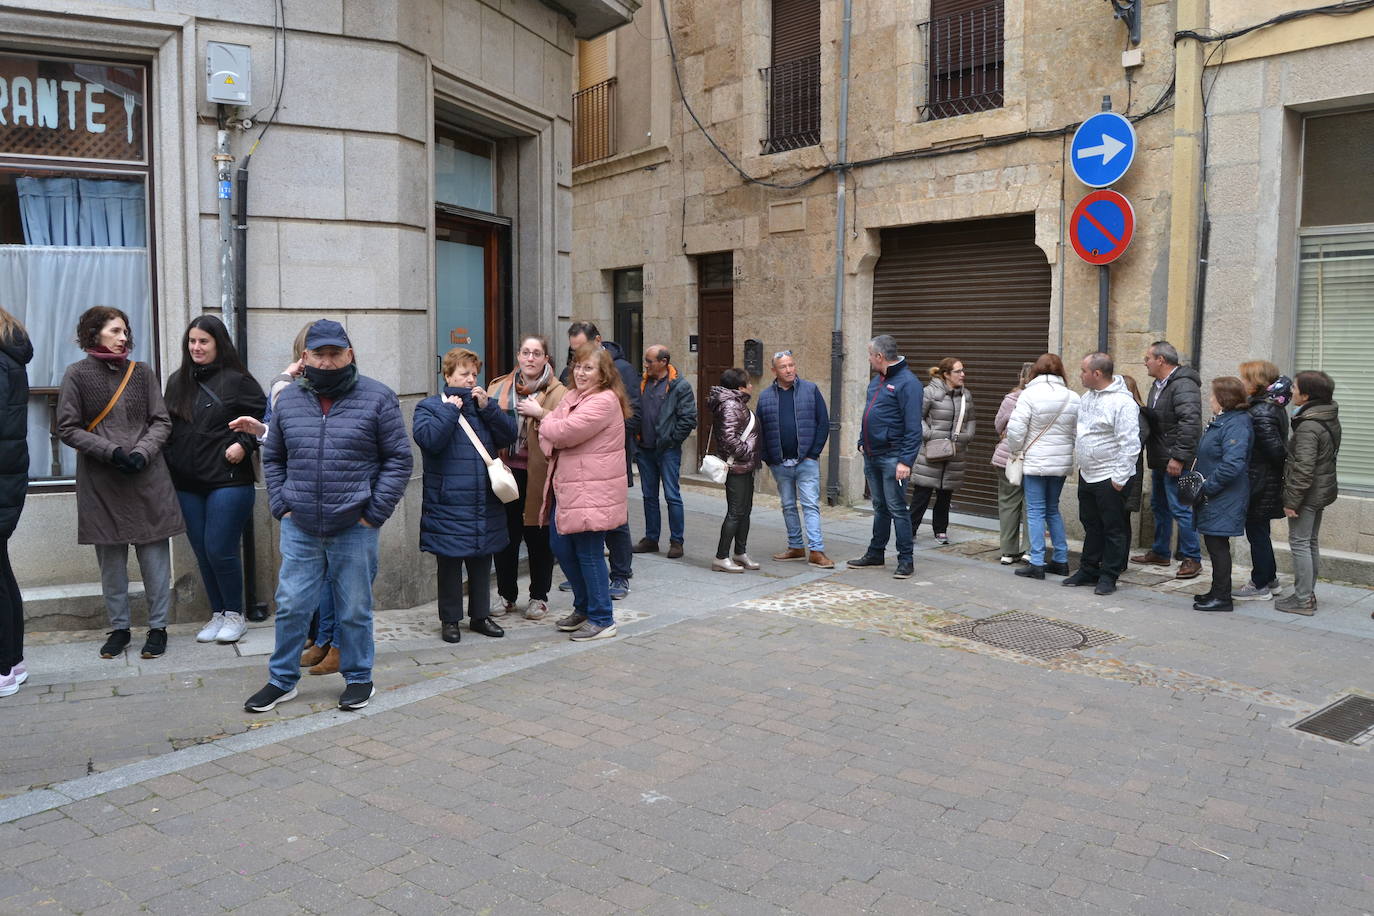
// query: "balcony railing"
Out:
[964,68]
[793,93]
[594,123]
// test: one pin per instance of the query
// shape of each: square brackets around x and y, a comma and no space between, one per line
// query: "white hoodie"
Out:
[1108,434]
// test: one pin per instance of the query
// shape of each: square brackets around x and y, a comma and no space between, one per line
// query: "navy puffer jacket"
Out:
[1223,457]
[14,428]
[812,419]
[332,471]
[460,515]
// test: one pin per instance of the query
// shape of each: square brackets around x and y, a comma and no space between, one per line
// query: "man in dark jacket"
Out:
[793,428]
[618,541]
[667,416]
[890,438]
[1174,409]
[336,460]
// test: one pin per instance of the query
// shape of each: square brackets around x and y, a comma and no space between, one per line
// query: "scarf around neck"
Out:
[518,388]
[105,355]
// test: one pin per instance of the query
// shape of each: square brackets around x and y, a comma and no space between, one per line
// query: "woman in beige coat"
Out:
[110,410]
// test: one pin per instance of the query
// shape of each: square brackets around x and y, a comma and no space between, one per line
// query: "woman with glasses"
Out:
[946,414]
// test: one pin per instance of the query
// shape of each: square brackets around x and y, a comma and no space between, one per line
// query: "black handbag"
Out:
[1190,484]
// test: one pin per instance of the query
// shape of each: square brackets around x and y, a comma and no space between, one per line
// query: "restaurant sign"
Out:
[55,108]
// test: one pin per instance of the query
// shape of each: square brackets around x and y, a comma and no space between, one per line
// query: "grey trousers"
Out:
[1011,511]
[1302,542]
[155,561]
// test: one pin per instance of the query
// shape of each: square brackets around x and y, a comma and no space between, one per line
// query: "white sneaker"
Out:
[9,685]
[726,565]
[233,628]
[20,672]
[743,560]
[211,629]
[536,609]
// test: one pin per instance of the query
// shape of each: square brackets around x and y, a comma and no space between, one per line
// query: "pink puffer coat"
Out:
[584,438]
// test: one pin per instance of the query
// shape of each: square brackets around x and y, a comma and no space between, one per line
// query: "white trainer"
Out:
[726,565]
[211,629]
[536,609]
[233,628]
[743,560]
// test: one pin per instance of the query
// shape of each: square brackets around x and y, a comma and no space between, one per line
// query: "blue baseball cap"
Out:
[326,333]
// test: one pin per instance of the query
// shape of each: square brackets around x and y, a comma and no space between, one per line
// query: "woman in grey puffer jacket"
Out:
[945,397]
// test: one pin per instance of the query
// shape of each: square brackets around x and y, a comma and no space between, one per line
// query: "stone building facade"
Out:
[415,184]
[959,192]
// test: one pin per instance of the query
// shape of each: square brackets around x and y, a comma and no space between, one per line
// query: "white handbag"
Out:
[502,480]
[718,469]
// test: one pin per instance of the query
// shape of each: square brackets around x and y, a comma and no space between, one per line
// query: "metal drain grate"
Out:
[1030,634]
[1350,719]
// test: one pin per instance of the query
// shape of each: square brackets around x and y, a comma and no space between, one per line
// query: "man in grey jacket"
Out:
[1174,409]
[1106,446]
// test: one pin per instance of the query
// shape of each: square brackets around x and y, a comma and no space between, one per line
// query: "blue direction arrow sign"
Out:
[1103,149]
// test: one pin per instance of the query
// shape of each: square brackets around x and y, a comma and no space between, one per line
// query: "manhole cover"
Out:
[1350,720]
[1030,634]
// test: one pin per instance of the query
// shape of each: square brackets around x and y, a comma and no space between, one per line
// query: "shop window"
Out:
[464,170]
[74,219]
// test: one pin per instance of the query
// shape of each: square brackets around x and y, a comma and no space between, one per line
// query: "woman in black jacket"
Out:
[212,466]
[15,353]
[1269,394]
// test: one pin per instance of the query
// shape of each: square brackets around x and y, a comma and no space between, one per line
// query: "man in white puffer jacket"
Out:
[1042,430]
[1108,443]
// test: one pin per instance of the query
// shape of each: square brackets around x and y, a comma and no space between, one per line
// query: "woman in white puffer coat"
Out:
[1042,429]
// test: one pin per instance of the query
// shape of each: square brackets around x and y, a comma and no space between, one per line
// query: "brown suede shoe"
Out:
[674,550]
[791,553]
[1150,557]
[1188,569]
[313,655]
[819,560]
[330,665]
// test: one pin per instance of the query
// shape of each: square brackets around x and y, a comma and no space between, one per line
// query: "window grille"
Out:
[965,53]
[594,123]
[793,93]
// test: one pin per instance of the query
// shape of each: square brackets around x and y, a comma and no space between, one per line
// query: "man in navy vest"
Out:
[793,428]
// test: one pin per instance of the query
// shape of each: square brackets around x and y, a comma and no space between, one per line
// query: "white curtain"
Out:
[47,288]
[82,211]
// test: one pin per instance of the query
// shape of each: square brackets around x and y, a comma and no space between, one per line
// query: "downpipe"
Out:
[832,489]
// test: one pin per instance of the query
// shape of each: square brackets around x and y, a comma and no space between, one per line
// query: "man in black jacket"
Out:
[1174,409]
[668,415]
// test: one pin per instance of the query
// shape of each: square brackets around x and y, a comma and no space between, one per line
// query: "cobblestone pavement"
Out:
[793,741]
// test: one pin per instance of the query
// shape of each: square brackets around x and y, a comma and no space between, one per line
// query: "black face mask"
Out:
[332,383]
[464,393]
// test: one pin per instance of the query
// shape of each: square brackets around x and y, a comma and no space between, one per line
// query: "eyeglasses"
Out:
[533,353]
[781,353]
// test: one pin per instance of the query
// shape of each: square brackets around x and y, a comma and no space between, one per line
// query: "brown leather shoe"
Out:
[819,560]
[1188,569]
[313,655]
[1151,558]
[791,553]
[674,550]
[330,664]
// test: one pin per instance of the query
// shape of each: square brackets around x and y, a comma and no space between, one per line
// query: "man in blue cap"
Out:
[336,460]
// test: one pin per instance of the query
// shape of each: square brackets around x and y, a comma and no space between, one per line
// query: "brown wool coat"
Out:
[538,468]
[113,507]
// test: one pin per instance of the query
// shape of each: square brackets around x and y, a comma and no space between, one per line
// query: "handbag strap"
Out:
[119,393]
[959,423]
[476,443]
[1048,426]
[748,428]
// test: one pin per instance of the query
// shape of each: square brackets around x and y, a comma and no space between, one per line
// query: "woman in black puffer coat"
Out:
[1269,394]
[15,353]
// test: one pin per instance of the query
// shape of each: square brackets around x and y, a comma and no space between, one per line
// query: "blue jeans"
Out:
[214,526]
[350,560]
[1042,507]
[1167,509]
[322,622]
[655,467]
[801,483]
[581,555]
[889,506]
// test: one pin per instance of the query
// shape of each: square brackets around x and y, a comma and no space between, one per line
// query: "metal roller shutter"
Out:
[976,291]
[796,30]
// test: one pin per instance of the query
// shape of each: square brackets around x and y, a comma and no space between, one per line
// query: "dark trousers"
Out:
[536,540]
[621,549]
[1219,552]
[451,587]
[920,499]
[11,613]
[1265,569]
[1106,528]
[739,502]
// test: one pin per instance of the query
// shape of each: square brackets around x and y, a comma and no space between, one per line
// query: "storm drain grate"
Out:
[1350,719]
[1030,634]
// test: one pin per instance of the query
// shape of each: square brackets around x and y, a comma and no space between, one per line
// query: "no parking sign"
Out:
[1101,227]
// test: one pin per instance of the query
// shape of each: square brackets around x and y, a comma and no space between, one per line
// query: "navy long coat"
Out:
[1223,457]
[460,516]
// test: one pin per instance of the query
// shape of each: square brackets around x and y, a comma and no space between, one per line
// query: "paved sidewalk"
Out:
[790,740]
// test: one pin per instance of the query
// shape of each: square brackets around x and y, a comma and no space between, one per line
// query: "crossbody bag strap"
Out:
[476,443]
[959,423]
[214,397]
[1049,426]
[119,392]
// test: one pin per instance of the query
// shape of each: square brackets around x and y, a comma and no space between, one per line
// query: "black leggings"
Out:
[739,502]
[451,587]
[1219,552]
[11,613]
[939,519]
[536,540]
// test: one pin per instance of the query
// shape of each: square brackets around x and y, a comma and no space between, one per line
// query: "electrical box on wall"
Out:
[228,73]
[753,356]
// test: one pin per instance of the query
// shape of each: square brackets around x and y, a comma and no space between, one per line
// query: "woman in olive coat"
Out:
[1309,483]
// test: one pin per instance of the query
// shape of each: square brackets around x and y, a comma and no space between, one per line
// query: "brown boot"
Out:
[791,553]
[819,560]
[1188,569]
[1150,557]
[330,664]
[313,655]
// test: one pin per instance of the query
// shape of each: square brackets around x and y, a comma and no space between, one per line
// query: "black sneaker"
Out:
[1105,586]
[1030,572]
[156,644]
[1079,578]
[116,644]
[266,699]
[904,571]
[868,559]
[355,696]
[1057,569]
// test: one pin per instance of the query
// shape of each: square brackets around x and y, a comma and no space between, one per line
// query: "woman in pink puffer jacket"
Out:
[584,492]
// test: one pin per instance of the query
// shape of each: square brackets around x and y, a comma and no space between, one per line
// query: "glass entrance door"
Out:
[469,291]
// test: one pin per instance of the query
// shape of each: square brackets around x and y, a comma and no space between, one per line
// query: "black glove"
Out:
[129,464]
[120,460]
[136,462]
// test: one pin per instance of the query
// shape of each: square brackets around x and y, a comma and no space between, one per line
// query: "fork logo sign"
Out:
[1101,226]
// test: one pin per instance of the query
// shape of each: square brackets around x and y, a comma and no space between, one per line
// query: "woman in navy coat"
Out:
[1223,459]
[461,521]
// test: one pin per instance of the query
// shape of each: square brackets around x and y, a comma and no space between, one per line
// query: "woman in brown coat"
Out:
[527,394]
[110,410]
